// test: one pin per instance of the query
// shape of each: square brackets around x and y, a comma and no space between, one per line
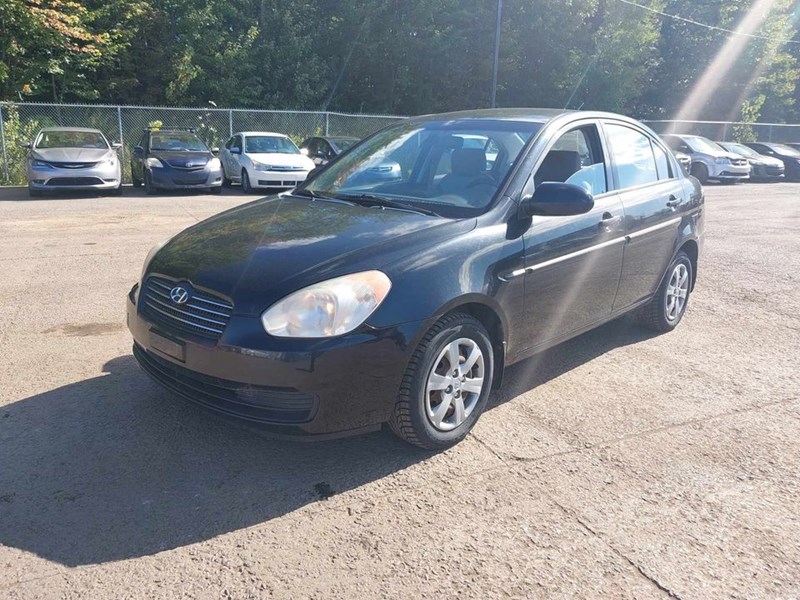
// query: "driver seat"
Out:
[466,166]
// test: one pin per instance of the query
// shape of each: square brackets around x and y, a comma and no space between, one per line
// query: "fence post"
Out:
[3,142]
[327,114]
[769,135]
[230,122]
[121,141]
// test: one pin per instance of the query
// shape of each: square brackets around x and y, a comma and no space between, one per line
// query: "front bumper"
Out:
[170,178]
[276,179]
[763,172]
[100,177]
[729,172]
[295,388]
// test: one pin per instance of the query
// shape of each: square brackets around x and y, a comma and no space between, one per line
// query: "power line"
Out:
[707,26]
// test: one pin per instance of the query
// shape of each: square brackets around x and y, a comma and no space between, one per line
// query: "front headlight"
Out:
[261,167]
[328,308]
[110,160]
[214,164]
[723,161]
[154,163]
[40,164]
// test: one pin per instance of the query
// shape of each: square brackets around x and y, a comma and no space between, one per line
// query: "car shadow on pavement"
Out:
[114,467]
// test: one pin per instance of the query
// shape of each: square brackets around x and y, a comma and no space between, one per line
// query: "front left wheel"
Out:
[446,385]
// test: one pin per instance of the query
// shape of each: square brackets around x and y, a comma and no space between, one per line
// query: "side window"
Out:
[576,158]
[634,161]
[662,162]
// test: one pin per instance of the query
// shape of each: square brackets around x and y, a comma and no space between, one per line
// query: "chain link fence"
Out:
[727,131]
[19,123]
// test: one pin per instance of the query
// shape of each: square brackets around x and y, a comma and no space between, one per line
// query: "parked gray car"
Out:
[709,160]
[72,158]
[764,168]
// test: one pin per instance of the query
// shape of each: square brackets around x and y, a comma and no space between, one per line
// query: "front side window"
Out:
[270,144]
[176,141]
[634,161]
[576,158]
[430,164]
[71,139]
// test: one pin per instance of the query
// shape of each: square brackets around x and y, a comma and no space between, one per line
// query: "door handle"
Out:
[609,222]
[673,200]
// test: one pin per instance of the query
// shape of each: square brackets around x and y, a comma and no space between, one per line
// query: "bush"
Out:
[16,132]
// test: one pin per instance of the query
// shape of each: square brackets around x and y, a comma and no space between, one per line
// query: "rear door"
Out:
[573,263]
[652,193]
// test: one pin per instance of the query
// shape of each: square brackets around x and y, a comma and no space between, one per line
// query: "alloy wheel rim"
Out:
[454,384]
[677,292]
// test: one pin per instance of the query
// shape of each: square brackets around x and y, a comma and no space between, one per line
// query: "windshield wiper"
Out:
[306,193]
[372,200]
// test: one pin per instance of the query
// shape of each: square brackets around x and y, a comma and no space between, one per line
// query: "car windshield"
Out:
[451,167]
[72,139]
[177,141]
[784,149]
[740,149]
[269,144]
[701,144]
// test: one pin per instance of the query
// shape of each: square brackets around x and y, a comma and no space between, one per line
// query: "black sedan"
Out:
[342,306]
[322,150]
[788,155]
[175,159]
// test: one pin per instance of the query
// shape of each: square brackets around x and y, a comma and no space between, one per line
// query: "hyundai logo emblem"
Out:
[179,295]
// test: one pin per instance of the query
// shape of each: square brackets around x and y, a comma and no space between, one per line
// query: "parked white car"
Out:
[262,159]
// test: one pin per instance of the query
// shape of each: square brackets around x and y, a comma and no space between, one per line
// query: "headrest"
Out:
[469,162]
[559,165]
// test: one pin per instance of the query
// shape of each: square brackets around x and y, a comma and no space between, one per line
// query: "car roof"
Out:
[272,133]
[80,129]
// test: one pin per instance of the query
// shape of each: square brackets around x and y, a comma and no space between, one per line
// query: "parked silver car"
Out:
[764,168]
[72,158]
[709,160]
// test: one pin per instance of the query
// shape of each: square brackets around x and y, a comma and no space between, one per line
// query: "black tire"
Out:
[246,187]
[225,181]
[117,191]
[216,191]
[410,420]
[149,188]
[700,172]
[135,181]
[654,315]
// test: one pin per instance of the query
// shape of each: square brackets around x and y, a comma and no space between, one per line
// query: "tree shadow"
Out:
[114,467]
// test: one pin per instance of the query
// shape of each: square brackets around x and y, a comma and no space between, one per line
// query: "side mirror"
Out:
[555,199]
[138,150]
[116,145]
[215,151]
[26,145]
[304,151]
[235,150]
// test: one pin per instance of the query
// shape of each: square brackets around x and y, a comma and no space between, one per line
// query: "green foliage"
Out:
[751,111]
[393,57]
[16,132]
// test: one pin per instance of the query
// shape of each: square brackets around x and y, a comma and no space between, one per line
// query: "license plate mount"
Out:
[164,345]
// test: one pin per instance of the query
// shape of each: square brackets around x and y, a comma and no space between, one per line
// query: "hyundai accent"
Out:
[344,305]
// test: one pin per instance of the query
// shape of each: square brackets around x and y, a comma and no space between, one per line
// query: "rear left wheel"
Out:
[666,309]
[446,385]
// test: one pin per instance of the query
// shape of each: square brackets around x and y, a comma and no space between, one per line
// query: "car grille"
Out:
[192,181]
[286,168]
[739,162]
[277,183]
[183,165]
[202,315]
[56,181]
[256,403]
[73,165]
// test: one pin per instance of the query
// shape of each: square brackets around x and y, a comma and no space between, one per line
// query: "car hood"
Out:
[183,159]
[70,154]
[766,160]
[282,159]
[257,253]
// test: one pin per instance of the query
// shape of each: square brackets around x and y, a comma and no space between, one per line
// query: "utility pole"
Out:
[496,51]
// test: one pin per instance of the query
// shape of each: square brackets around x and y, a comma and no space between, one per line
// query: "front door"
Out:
[573,263]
